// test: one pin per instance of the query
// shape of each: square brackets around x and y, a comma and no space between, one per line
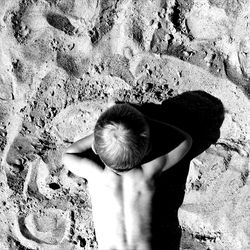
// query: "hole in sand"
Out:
[54,186]
[82,241]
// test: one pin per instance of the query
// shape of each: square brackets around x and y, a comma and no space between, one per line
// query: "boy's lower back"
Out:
[122,210]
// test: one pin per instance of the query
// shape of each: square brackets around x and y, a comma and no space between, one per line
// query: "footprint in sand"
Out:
[51,227]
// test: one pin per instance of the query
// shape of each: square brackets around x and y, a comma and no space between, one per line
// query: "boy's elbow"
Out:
[186,146]
[69,163]
[70,150]
[66,160]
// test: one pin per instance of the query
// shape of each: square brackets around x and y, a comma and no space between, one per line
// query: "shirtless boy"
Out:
[134,150]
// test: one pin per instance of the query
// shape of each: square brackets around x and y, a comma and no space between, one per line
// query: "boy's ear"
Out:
[93,148]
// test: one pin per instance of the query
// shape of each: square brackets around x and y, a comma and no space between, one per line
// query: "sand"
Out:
[62,63]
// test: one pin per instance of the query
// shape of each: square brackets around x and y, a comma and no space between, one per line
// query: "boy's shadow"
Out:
[201,115]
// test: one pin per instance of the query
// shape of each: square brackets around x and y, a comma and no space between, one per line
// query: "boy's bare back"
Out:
[122,201]
[122,208]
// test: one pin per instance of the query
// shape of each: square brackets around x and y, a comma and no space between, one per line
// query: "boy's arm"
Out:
[75,160]
[81,145]
[80,166]
[171,158]
[174,156]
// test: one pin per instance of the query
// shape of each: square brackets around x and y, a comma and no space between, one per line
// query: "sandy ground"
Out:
[64,62]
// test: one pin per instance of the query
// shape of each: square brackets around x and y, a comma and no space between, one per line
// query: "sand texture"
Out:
[63,62]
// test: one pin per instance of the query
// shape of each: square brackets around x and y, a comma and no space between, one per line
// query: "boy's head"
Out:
[121,137]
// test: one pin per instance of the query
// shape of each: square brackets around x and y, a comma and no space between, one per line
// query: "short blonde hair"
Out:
[121,137]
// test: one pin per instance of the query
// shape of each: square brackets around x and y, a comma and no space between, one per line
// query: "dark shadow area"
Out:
[201,115]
